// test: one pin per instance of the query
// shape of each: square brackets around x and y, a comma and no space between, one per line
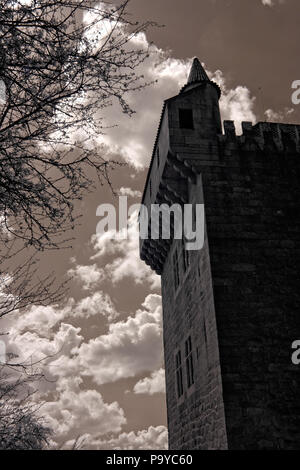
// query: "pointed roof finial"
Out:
[198,76]
[197,73]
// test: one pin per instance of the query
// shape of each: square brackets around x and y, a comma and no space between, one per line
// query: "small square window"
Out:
[186,120]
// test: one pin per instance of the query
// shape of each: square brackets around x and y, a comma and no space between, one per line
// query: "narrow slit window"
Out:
[186,120]
[189,362]
[179,381]
[158,157]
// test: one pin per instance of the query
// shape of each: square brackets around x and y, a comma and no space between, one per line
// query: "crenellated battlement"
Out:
[264,135]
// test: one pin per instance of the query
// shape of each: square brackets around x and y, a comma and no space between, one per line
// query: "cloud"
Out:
[70,409]
[77,410]
[98,303]
[271,3]
[43,319]
[129,348]
[133,137]
[153,384]
[127,263]
[153,438]
[52,356]
[278,116]
[18,3]
[130,192]
[236,104]
[89,276]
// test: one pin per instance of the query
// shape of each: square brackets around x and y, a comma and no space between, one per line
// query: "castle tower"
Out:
[231,309]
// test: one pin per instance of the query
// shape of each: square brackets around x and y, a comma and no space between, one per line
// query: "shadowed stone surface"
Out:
[239,298]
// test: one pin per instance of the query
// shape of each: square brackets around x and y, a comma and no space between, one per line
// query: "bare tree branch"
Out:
[60,71]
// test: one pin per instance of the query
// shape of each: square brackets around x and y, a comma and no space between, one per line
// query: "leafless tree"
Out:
[24,286]
[59,71]
[62,63]
[21,425]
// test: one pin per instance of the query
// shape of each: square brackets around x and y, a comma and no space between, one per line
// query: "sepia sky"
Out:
[106,370]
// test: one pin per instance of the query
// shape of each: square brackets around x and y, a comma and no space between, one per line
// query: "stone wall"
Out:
[196,420]
[239,300]
[252,199]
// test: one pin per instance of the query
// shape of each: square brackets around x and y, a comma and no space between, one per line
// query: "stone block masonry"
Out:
[232,310]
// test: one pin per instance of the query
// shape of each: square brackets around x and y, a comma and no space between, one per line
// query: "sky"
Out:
[104,341]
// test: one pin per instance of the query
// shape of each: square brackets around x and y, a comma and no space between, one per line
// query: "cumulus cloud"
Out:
[153,438]
[39,319]
[236,104]
[77,409]
[126,263]
[89,276]
[130,192]
[98,303]
[129,348]
[43,319]
[133,137]
[153,384]
[278,116]
[54,352]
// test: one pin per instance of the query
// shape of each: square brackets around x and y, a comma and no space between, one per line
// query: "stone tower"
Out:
[232,309]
